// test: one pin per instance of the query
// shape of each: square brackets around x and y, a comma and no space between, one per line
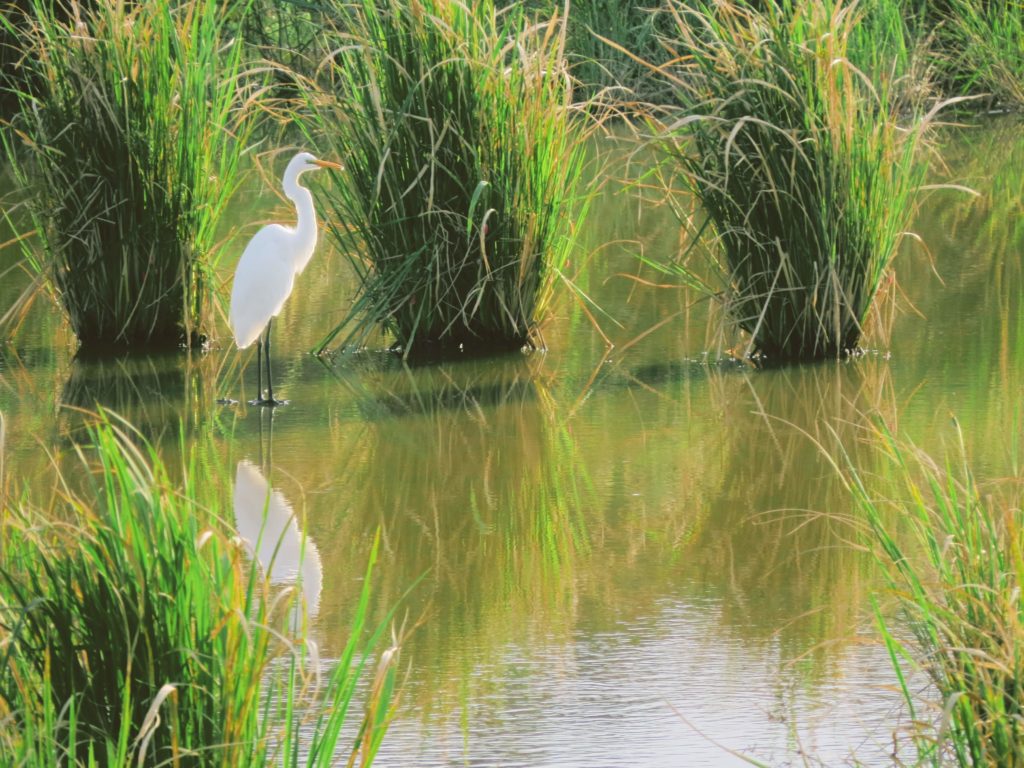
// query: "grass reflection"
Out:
[160,394]
[473,483]
[783,525]
[967,357]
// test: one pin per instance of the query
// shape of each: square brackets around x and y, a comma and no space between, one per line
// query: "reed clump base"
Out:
[805,176]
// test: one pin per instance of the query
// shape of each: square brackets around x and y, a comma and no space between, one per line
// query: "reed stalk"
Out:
[955,565]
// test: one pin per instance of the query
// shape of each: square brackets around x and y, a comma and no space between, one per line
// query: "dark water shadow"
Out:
[163,395]
[396,390]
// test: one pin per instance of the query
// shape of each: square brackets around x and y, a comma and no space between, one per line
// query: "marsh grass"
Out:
[806,178]
[981,48]
[606,41]
[132,122]
[957,569]
[459,200]
[134,630]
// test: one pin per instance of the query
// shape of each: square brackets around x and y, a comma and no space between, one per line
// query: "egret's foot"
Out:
[268,402]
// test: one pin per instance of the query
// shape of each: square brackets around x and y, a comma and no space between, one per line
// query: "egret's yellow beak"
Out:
[328,164]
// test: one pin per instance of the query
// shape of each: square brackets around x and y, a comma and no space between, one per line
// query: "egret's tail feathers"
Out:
[246,330]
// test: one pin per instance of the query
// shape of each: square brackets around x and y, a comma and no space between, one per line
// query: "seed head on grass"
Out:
[459,200]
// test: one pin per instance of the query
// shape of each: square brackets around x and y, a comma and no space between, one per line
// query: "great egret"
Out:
[266,272]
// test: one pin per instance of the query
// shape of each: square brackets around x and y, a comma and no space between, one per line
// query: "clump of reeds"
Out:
[134,630]
[981,48]
[958,577]
[130,129]
[799,164]
[459,198]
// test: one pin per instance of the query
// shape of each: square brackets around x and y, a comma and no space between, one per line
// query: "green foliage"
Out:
[138,632]
[609,45]
[958,577]
[981,48]
[459,200]
[129,135]
[799,164]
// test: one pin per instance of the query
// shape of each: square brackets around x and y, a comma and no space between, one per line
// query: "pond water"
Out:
[636,555]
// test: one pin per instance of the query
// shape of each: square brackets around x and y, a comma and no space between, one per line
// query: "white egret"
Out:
[266,272]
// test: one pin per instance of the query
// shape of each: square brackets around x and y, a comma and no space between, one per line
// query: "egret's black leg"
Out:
[269,381]
[258,400]
[262,465]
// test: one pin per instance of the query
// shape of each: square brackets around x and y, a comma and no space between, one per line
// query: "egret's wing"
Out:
[263,281]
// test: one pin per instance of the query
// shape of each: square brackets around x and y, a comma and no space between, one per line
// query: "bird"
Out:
[266,272]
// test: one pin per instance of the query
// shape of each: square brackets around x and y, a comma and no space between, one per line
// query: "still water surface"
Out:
[627,556]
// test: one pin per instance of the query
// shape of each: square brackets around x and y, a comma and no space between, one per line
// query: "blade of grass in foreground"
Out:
[958,578]
[134,629]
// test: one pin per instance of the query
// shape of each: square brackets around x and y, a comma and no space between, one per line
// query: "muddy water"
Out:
[627,555]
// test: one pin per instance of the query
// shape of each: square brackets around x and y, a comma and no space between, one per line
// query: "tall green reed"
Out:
[134,630]
[805,177]
[956,567]
[132,121]
[459,201]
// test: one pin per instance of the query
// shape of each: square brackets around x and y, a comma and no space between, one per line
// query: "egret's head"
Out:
[301,163]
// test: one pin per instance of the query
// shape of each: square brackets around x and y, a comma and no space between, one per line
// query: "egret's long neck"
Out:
[305,227]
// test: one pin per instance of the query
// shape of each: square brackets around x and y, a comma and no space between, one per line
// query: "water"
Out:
[624,556]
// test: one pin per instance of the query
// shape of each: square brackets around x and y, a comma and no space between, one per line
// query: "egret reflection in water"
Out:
[266,522]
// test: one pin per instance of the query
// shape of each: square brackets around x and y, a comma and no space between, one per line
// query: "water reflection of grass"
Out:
[160,395]
[973,326]
[474,487]
[134,633]
[783,525]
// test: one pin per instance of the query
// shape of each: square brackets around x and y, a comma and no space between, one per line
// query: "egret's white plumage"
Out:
[265,274]
[263,282]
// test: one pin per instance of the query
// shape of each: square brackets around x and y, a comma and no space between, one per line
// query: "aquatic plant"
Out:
[134,630]
[128,141]
[459,200]
[957,574]
[981,48]
[607,42]
[797,158]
